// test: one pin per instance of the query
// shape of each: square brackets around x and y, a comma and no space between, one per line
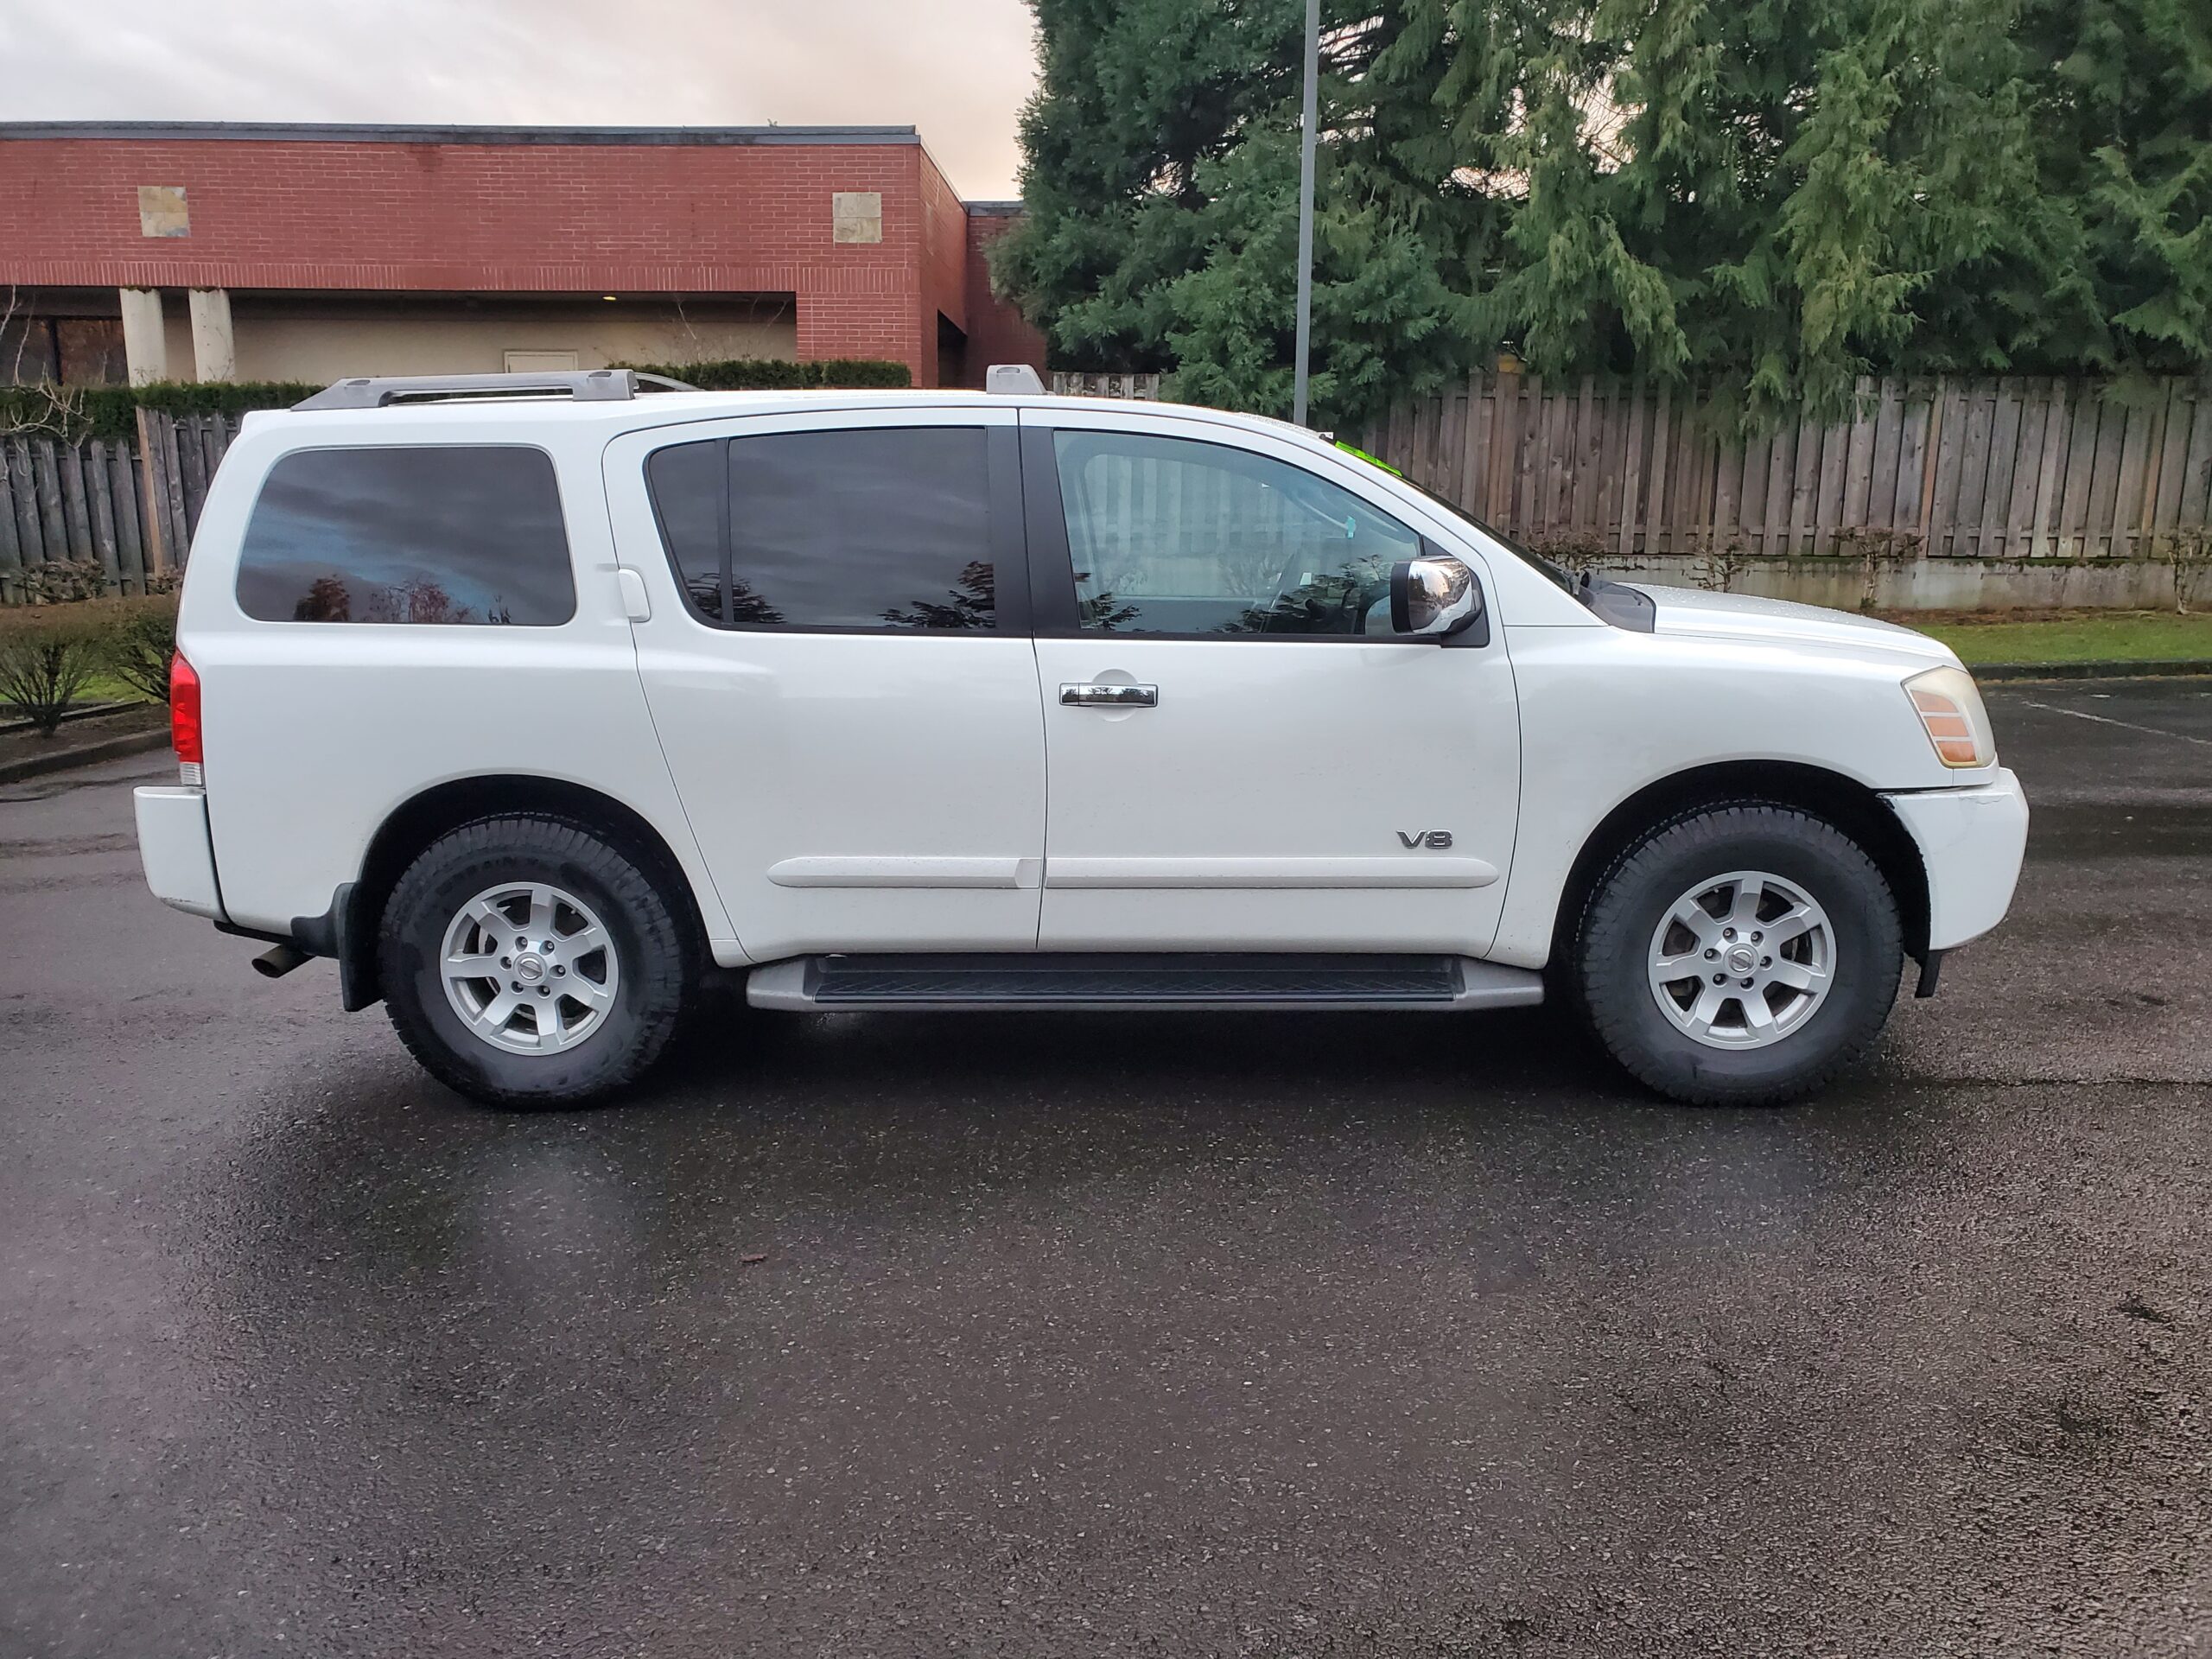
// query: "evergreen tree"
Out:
[2121,114]
[1785,194]
[1162,183]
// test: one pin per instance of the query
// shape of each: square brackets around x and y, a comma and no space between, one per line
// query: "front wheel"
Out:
[1740,956]
[526,961]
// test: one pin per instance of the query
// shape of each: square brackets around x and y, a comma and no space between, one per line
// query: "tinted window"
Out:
[1174,535]
[450,534]
[876,528]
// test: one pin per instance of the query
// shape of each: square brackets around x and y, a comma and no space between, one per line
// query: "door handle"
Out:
[1110,696]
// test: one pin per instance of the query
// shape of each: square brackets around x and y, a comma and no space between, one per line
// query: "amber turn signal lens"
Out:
[1950,708]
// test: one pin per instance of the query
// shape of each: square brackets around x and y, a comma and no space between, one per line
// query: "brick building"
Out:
[291,252]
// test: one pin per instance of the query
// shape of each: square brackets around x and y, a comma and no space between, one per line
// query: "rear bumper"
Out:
[177,851]
[1972,841]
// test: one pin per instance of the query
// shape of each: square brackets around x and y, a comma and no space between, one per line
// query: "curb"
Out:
[115,748]
[2144,670]
[97,711]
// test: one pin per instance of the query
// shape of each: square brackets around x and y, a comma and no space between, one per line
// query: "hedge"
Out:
[780,374]
[112,411]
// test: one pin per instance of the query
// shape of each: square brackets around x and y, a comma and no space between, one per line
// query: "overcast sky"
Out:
[957,69]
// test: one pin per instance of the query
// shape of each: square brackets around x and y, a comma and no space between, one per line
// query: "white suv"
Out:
[536,702]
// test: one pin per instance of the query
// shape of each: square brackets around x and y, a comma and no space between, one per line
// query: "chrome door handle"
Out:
[1110,696]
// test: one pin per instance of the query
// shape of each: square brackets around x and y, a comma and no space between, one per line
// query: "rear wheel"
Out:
[1739,955]
[527,961]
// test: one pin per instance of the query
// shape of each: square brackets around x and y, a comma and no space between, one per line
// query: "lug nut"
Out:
[548,945]
[558,969]
[1756,937]
[524,944]
[1766,962]
[547,991]
[1710,956]
[506,962]
[1727,932]
[1747,984]
[518,984]
[1720,979]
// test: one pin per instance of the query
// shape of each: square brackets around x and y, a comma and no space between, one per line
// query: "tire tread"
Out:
[1606,914]
[568,841]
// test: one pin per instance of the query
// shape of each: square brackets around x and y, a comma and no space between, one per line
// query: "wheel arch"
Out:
[1848,805]
[357,909]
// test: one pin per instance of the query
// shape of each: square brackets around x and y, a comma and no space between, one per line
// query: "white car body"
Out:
[825,791]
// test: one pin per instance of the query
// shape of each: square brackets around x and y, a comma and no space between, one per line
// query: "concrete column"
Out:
[145,339]
[214,349]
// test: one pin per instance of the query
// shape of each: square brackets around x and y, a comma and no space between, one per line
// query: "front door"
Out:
[839,672]
[1240,754]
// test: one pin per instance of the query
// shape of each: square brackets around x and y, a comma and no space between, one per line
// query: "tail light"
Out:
[184,720]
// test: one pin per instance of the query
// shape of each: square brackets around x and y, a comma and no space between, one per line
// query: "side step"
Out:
[1049,979]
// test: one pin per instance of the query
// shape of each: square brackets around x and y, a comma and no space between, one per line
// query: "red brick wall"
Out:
[388,216]
[996,330]
[944,254]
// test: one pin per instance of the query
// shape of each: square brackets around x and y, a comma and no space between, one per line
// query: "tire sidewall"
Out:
[1802,851]
[481,856]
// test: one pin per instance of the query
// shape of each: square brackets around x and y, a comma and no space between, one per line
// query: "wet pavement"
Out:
[1256,1334]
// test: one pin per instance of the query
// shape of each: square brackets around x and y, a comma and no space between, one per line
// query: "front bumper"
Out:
[1972,841]
[178,851]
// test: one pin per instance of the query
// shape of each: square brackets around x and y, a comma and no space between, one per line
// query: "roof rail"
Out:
[585,386]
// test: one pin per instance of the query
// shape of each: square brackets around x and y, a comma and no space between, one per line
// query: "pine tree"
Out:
[1161,178]
[2121,112]
[1782,194]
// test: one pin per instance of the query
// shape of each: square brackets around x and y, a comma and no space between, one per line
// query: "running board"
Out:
[1047,980]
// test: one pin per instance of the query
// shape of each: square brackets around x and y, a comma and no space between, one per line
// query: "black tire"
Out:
[1610,969]
[655,955]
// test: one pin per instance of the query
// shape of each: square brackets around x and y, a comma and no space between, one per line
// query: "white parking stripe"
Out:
[2107,719]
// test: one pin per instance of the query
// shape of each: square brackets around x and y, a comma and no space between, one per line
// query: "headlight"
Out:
[1949,705]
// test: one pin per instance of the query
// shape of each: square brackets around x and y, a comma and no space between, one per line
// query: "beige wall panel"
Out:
[298,341]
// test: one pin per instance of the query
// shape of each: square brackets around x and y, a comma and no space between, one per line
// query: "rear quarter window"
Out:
[445,534]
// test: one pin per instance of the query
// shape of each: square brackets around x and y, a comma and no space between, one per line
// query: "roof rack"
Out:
[586,385]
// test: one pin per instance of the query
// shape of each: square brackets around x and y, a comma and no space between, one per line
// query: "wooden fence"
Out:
[2009,467]
[2014,467]
[129,507]
[1069,383]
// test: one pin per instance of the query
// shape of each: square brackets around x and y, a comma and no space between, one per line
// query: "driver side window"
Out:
[1176,535]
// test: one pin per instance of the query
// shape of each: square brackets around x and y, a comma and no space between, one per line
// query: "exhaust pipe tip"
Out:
[278,960]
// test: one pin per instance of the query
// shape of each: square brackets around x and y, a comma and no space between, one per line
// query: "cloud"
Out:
[957,69]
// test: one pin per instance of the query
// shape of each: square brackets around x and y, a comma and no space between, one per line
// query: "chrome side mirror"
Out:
[1433,598]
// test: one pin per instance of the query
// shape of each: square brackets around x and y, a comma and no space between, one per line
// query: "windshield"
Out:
[1526,554]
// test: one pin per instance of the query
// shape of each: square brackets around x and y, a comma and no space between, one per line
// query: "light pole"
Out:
[1306,207]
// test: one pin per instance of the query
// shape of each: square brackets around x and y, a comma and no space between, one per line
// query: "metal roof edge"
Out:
[383,133]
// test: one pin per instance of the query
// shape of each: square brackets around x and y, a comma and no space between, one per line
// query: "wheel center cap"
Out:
[530,967]
[1741,959]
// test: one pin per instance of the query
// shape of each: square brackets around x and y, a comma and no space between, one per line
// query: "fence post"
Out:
[154,496]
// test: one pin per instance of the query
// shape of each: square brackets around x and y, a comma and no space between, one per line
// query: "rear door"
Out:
[838,665]
[1242,755]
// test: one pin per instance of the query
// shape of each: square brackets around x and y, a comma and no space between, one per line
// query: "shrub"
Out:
[780,374]
[58,581]
[137,645]
[47,655]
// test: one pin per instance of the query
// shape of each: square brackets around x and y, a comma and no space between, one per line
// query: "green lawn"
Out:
[2076,637]
[105,688]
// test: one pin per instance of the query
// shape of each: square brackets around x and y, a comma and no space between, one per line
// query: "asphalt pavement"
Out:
[1352,1334]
